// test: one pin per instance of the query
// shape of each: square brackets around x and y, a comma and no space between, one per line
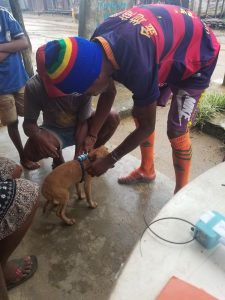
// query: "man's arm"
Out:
[146,117]
[32,107]
[15,45]
[30,127]
[39,139]
[104,106]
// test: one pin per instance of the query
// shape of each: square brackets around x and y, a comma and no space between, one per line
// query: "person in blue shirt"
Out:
[13,78]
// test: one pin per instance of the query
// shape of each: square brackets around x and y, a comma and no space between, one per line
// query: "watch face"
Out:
[8,36]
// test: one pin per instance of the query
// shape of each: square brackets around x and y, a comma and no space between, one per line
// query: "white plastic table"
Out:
[153,262]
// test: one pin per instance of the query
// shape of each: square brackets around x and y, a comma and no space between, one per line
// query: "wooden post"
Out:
[223,80]
[217,3]
[17,13]
[200,8]
[221,14]
[207,8]
[93,12]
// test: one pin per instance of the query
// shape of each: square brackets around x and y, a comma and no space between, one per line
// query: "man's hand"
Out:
[83,139]
[89,143]
[42,145]
[3,55]
[100,166]
[86,146]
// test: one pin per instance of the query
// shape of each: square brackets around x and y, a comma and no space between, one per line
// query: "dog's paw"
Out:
[80,197]
[93,205]
[70,221]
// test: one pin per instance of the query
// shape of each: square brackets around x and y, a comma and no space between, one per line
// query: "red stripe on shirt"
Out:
[193,50]
[178,35]
[215,44]
[159,39]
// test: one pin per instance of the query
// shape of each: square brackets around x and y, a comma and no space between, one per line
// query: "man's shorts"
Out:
[183,108]
[65,136]
[11,106]
[186,97]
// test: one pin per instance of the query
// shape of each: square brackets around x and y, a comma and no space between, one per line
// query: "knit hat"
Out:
[69,65]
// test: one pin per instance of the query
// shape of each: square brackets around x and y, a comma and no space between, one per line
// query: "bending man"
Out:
[153,50]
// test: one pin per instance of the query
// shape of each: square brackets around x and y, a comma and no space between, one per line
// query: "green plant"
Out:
[210,105]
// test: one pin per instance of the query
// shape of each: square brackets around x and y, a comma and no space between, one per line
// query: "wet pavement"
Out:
[83,261]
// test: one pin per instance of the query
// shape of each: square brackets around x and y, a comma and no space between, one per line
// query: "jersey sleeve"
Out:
[14,27]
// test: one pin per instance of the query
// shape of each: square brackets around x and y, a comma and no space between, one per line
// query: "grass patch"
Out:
[210,106]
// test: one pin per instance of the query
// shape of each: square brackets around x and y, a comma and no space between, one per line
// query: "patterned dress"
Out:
[17,198]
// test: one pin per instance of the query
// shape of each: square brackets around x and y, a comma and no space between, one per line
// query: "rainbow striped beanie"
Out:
[69,65]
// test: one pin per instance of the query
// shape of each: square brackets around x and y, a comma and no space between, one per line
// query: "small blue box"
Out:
[209,229]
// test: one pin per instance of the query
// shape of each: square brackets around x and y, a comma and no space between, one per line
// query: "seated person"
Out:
[67,121]
[18,203]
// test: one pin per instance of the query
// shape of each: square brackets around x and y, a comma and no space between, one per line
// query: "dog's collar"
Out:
[81,158]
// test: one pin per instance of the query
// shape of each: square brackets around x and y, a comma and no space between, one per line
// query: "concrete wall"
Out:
[93,12]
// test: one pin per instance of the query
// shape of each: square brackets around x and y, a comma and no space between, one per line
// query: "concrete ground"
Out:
[83,261]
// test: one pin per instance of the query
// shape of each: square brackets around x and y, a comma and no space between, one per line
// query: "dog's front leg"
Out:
[87,189]
[68,221]
[79,191]
[63,199]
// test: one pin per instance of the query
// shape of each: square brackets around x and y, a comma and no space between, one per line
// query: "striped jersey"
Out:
[157,44]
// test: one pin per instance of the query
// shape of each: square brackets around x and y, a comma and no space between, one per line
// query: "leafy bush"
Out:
[209,106]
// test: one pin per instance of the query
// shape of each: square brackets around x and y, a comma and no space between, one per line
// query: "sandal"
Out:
[136,177]
[20,264]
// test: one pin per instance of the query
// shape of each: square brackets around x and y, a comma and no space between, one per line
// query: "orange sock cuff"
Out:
[182,154]
[182,142]
[182,147]
[149,142]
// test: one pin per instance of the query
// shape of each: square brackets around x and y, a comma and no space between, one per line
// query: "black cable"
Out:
[161,238]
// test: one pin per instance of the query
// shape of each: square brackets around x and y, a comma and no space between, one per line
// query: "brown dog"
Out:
[56,185]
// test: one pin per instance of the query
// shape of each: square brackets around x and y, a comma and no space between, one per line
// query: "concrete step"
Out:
[84,260]
[216,126]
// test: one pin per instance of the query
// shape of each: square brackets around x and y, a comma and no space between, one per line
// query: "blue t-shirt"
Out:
[12,72]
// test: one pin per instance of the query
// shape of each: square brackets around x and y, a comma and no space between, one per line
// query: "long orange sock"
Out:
[146,171]
[182,154]
[147,156]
